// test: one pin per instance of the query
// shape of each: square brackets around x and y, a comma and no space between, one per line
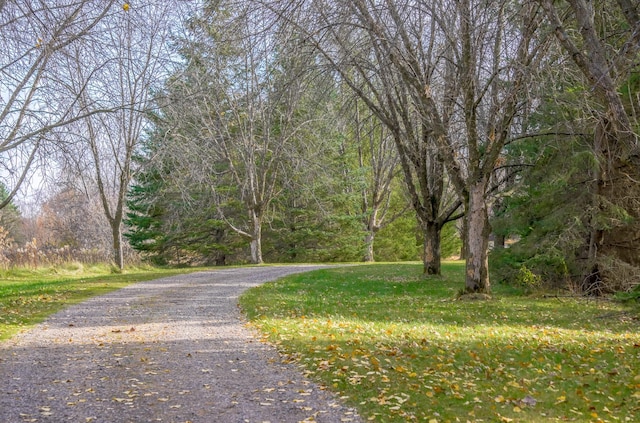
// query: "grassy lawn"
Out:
[28,296]
[399,348]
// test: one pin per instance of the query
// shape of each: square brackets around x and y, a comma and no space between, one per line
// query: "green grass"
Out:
[27,296]
[399,348]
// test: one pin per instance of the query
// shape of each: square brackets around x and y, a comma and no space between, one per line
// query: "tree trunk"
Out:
[463,237]
[431,248]
[601,151]
[256,240]
[255,235]
[368,241]
[478,230]
[256,249]
[118,255]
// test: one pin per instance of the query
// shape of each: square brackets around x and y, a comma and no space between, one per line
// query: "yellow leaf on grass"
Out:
[499,398]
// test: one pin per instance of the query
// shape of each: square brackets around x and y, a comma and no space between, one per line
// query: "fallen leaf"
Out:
[529,401]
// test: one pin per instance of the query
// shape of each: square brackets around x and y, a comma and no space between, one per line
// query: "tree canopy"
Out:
[248,131]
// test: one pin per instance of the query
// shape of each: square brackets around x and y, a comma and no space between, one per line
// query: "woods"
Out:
[503,132]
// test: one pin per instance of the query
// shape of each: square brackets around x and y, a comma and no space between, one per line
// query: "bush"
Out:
[528,280]
[631,296]
[530,271]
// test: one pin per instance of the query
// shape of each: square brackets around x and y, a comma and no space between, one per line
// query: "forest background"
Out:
[225,132]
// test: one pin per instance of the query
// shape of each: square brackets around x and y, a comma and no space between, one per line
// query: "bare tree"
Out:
[378,159]
[448,79]
[603,73]
[33,35]
[70,219]
[231,115]
[117,69]
[495,49]
[386,53]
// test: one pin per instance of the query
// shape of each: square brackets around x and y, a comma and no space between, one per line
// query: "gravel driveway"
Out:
[168,350]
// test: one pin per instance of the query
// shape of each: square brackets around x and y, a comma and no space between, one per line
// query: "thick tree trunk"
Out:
[431,248]
[256,249]
[463,237]
[478,230]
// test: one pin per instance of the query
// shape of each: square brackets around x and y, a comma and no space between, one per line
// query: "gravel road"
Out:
[169,350]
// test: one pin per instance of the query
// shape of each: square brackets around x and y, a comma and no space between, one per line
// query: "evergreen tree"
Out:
[169,225]
[145,218]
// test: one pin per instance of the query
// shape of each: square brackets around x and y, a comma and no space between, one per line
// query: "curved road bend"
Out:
[168,350]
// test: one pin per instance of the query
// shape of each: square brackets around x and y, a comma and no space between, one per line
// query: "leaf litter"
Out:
[508,359]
